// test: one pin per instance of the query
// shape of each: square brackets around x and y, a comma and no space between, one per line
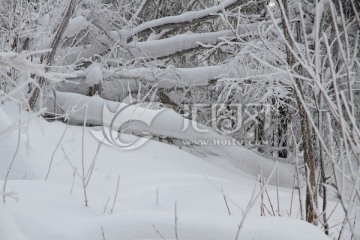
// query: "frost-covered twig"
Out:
[92,165]
[116,193]
[83,177]
[226,203]
[106,204]
[253,199]
[56,148]
[158,232]
[103,233]
[13,158]
[176,222]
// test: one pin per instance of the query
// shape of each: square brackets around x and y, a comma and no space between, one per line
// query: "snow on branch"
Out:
[186,17]
[183,42]
[168,46]
[21,62]
[170,77]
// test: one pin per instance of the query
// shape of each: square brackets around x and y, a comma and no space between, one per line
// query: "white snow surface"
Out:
[75,26]
[94,74]
[152,179]
[8,228]
[4,121]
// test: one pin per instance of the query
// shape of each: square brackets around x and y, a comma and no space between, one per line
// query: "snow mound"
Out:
[8,228]
[153,178]
[21,168]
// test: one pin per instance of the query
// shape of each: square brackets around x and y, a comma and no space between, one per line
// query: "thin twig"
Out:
[107,203]
[268,197]
[92,165]
[277,192]
[72,182]
[13,158]
[72,166]
[157,195]
[83,159]
[226,203]
[103,233]
[262,205]
[158,232]
[176,222]
[292,196]
[116,193]
[56,148]
[227,197]
[253,199]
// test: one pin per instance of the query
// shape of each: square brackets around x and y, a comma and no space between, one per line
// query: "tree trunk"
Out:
[51,55]
[311,191]
[282,132]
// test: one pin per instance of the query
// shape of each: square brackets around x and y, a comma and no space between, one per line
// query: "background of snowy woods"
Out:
[300,58]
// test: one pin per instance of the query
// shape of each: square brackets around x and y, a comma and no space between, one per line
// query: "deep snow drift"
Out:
[153,179]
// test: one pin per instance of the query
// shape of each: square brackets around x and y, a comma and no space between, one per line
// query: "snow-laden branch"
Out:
[169,77]
[184,18]
[168,46]
[21,62]
[178,77]
[28,69]
[159,48]
[183,42]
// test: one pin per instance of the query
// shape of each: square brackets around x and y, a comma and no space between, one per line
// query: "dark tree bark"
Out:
[49,58]
[311,191]
[282,132]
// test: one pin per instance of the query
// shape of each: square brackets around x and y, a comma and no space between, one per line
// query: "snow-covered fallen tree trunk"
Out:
[164,123]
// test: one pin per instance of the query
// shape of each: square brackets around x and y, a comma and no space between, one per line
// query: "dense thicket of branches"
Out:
[300,59]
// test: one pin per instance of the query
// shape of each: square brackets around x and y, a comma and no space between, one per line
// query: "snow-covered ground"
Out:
[153,179]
